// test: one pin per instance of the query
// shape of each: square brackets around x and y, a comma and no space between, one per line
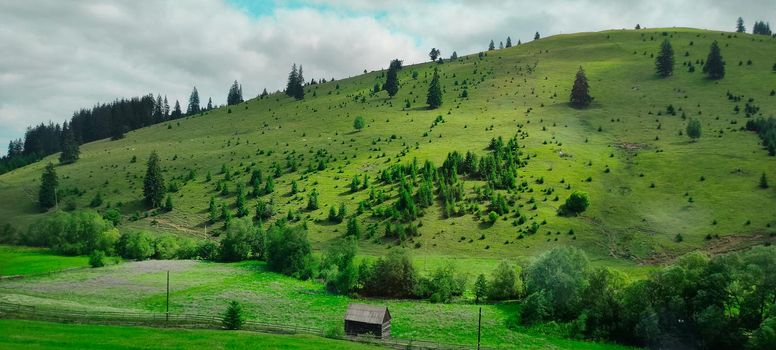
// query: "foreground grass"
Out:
[30,261]
[17,334]
[206,288]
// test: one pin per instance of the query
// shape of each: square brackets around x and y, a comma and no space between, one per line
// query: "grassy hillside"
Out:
[647,183]
[16,334]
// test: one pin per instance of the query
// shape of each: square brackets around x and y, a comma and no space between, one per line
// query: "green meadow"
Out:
[206,288]
[15,334]
[31,261]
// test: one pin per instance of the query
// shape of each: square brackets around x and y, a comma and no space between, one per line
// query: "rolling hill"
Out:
[654,193]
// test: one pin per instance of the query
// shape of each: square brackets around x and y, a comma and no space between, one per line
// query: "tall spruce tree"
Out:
[491,46]
[264,93]
[166,109]
[49,183]
[715,66]
[193,102]
[392,81]
[434,97]
[299,88]
[70,148]
[537,36]
[740,25]
[176,112]
[664,63]
[580,92]
[235,94]
[209,103]
[509,42]
[153,184]
[158,110]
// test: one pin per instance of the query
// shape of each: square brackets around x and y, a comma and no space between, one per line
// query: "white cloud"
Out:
[58,56]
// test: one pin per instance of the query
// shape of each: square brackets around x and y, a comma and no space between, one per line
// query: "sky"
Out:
[57,56]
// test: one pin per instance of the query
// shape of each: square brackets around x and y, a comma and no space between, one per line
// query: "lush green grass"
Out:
[629,218]
[200,287]
[16,334]
[31,261]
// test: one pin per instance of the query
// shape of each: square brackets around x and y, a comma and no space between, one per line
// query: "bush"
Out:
[506,283]
[338,269]
[76,233]
[233,318]
[136,245]
[289,252]
[576,203]
[390,276]
[242,241]
[96,258]
[113,216]
[443,284]
[165,247]
[561,274]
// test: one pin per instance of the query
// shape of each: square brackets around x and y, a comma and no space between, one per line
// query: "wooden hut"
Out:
[368,319]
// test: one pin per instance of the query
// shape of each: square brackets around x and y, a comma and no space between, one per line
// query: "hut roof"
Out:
[371,314]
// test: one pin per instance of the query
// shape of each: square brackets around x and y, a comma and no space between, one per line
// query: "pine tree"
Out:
[233,318]
[434,54]
[454,56]
[49,183]
[166,109]
[740,25]
[168,204]
[193,102]
[176,112]
[664,63]
[153,184]
[694,129]
[434,98]
[209,103]
[580,94]
[235,94]
[353,229]
[715,66]
[359,123]
[299,89]
[312,200]
[264,93]
[70,148]
[491,46]
[480,288]
[392,81]
[536,36]
[158,110]
[509,42]
[763,181]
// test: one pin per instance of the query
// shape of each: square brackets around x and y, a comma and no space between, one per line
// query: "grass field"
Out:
[30,261]
[658,183]
[16,334]
[200,287]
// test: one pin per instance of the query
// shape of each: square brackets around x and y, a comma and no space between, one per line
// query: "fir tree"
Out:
[392,81]
[580,94]
[491,46]
[176,113]
[664,63]
[509,42]
[158,110]
[166,109]
[193,102]
[312,200]
[454,56]
[264,93]
[763,181]
[299,89]
[70,148]
[49,183]
[434,54]
[694,129]
[434,97]
[233,318]
[500,45]
[740,25]
[168,204]
[359,123]
[715,66]
[235,94]
[536,36]
[153,184]
[480,288]
[354,229]
[209,103]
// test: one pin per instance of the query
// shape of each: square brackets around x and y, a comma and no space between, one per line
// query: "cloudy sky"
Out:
[57,56]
